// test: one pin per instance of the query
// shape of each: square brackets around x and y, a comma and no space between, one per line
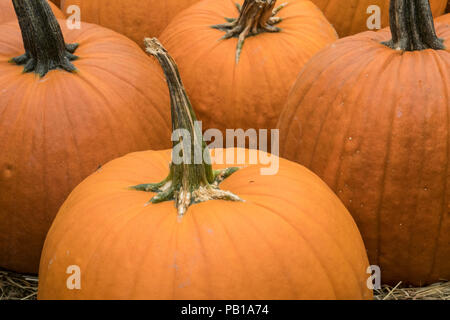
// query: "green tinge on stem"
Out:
[255,17]
[186,183]
[43,40]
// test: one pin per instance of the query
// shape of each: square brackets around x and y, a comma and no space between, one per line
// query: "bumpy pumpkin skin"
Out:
[57,130]
[299,243]
[135,19]
[350,16]
[7,11]
[252,93]
[372,122]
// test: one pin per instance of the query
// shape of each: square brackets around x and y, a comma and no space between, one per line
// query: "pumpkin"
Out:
[135,19]
[57,2]
[444,19]
[282,236]
[242,80]
[7,11]
[372,122]
[57,127]
[350,16]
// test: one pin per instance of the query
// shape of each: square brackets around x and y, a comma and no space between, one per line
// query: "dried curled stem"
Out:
[190,181]
[412,26]
[255,17]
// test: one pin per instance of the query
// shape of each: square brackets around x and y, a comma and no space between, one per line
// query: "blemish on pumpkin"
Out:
[184,284]
[8,172]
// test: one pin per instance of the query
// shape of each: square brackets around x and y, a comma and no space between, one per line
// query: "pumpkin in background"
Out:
[444,19]
[291,239]
[7,11]
[373,123]
[57,129]
[135,19]
[244,85]
[350,16]
[57,2]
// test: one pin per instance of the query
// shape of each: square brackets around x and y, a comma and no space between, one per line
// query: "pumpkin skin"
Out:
[57,3]
[444,19]
[251,93]
[372,123]
[57,130]
[7,11]
[350,17]
[135,19]
[297,244]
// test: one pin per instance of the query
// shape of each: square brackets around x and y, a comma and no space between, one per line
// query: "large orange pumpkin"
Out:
[291,238]
[249,93]
[373,123]
[7,11]
[136,19]
[350,16]
[57,129]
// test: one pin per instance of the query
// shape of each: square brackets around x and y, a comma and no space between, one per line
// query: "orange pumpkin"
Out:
[57,129]
[291,238]
[7,11]
[444,19]
[249,93]
[57,2]
[372,122]
[351,16]
[135,19]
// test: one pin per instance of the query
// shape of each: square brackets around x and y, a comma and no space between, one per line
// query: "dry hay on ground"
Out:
[15,286]
[437,291]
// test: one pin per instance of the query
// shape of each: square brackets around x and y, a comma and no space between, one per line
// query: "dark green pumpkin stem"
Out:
[412,26]
[43,40]
[191,178]
[255,17]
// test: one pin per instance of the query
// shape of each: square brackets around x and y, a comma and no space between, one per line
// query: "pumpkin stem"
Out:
[255,17]
[412,26]
[191,178]
[43,41]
